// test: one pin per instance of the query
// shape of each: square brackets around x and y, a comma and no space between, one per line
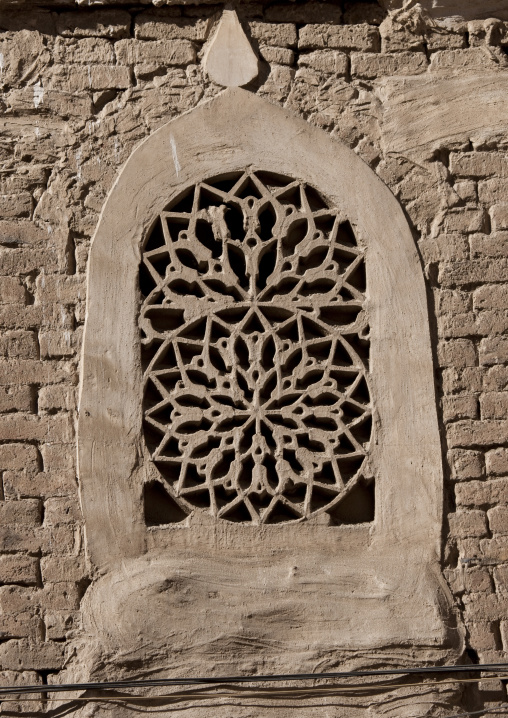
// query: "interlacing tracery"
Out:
[255,350]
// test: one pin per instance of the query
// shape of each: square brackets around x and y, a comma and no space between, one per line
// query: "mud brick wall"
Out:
[79,88]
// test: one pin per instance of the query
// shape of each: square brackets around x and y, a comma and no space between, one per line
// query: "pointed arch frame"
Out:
[235,130]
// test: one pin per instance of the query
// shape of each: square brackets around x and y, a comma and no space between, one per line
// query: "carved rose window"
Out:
[255,353]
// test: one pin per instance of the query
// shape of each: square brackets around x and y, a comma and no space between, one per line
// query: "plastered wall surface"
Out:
[420,97]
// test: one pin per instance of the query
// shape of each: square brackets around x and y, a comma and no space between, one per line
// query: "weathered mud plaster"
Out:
[423,114]
[201,596]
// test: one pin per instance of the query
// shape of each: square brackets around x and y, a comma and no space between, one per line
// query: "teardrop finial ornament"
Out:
[230,60]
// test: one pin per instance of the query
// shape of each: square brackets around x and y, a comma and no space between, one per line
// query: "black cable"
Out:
[152,683]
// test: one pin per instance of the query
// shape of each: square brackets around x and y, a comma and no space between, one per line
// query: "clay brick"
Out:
[24,511]
[59,511]
[53,398]
[23,655]
[496,379]
[468,523]
[477,433]
[70,569]
[496,461]
[54,344]
[469,547]
[21,233]
[61,104]
[498,520]
[158,25]
[19,345]
[160,52]
[20,484]
[473,272]
[397,37]
[465,464]
[58,457]
[493,350]
[18,456]
[23,53]
[340,37]
[89,50]
[62,290]
[482,636]
[25,427]
[457,352]
[327,61]
[29,371]
[319,12]
[491,296]
[460,407]
[17,568]
[466,190]
[445,247]
[21,625]
[501,578]
[16,205]
[493,245]
[60,623]
[484,607]
[493,190]
[16,398]
[478,580]
[499,216]
[25,261]
[19,538]
[482,493]
[12,291]
[494,405]
[453,301]
[466,59]
[278,34]
[19,599]
[441,39]
[465,220]
[400,63]
[69,78]
[456,380]
[479,164]
[457,325]
[277,55]
[492,322]
[99,23]
[495,548]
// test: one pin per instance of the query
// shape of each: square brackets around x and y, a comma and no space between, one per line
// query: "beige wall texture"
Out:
[418,92]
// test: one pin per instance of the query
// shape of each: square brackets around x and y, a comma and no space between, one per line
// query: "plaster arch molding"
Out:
[209,596]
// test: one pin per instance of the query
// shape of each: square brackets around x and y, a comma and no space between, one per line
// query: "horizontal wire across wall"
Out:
[295,691]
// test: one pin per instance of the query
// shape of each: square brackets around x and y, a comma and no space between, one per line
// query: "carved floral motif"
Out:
[255,350]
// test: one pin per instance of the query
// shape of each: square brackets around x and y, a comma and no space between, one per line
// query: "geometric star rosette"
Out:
[255,350]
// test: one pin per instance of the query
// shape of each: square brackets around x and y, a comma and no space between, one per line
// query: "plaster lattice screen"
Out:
[256,404]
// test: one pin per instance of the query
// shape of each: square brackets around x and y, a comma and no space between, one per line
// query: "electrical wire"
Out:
[261,692]
[159,682]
